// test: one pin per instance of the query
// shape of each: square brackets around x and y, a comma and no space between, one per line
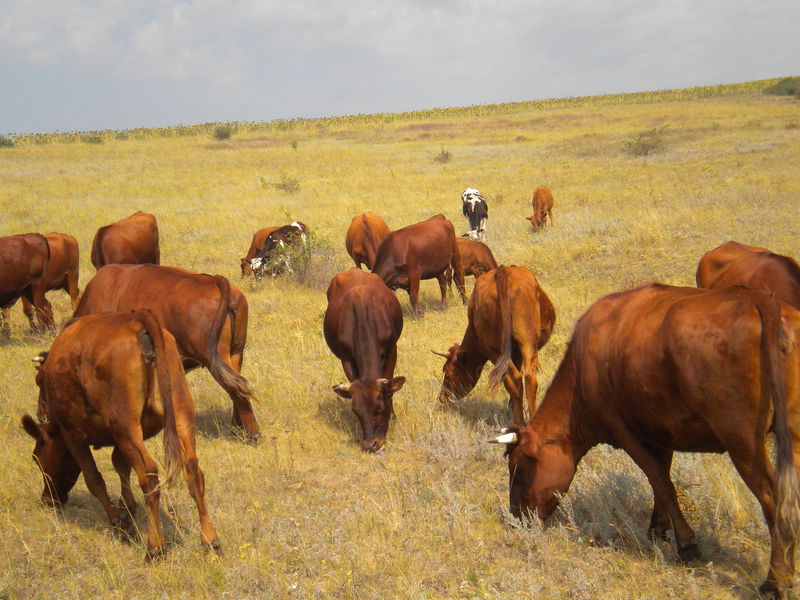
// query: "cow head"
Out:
[245,266]
[257,266]
[470,194]
[461,373]
[59,469]
[536,222]
[537,473]
[372,403]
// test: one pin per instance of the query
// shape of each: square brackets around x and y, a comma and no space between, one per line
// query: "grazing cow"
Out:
[255,246]
[476,259]
[97,388]
[362,324]
[733,263]
[288,235]
[131,241]
[365,234]
[61,272]
[421,251]
[542,202]
[207,316]
[477,212]
[661,369]
[23,264]
[509,319]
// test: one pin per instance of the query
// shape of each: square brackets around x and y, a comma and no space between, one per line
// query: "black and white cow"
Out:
[475,210]
[290,235]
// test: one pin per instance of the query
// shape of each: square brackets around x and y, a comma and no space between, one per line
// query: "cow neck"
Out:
[562,418]
[366,347]
[471,355]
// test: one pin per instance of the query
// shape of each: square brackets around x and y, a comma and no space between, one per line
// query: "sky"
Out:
[116,64]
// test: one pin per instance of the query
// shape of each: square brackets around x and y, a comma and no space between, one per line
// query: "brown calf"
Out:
[97,388]
[542,203]
[365,234]
[255,247]
[23,265]
[131,241]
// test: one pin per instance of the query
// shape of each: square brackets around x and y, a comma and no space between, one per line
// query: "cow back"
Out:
[133,240]
[24,259]
[427,247]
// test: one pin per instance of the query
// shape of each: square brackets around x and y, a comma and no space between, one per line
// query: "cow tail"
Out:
[172,446]
[787,484]
[504,308]
[230,380]
[372,247]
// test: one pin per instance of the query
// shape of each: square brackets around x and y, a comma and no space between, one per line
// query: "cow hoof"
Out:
[123,527]
[131,510]
[688,553]
[214,547]
[153,554]
[659,533]
[770,590]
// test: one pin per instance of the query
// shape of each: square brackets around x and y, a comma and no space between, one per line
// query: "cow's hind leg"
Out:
[233,383]
[442,279]
[513,384]
[123,469]
[5,323]
[659,521]
[27,310]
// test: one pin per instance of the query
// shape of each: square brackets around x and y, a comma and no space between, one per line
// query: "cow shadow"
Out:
[337,412]
[478,408]
[215,422]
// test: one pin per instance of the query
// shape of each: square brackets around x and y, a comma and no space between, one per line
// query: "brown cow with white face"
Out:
[362,324]
[510,319]
[661,369]
[259,237]
[23,265]
[206,314]
[733,263]
[294,234]
[98,388]
[542,204]
[365,234]
[421,251]
[131,241]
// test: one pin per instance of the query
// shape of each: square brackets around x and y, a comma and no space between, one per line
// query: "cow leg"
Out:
[389,364]
[73,290]
[413,291]
[242,408]
[530,365]
[665,497]
[550,214]
[27,310]
[659,521]
[131,446]
[350,370]
[44,312]
[195,481]
[751,461]
[513,384]
[123,469]
[442,279]
[5,326]
[118,518]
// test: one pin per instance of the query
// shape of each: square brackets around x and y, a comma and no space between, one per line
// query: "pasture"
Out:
[306,513]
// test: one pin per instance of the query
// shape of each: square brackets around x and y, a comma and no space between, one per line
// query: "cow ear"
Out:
[395,384]
[32,428]
[343,390]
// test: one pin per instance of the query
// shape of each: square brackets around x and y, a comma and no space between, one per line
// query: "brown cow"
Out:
[207,316]
[24,259]
[255,247]
[421,251]
[295,233]
[476,259]
[542,203]
[97,387]
[661,369]
[61,272]
[131,241]
[362,324]
[733,263]
[509,319]
[365,234]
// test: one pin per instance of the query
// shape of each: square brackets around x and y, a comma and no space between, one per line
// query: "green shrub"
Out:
[287,184]
[443,156]
[6,142]
[788,86]
[91,139]
[223,132]
[646,143]
[312,263]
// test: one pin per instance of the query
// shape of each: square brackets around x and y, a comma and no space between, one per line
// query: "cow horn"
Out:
[506,438]
[440,353]
[39,359]
[382,381]
[344,387]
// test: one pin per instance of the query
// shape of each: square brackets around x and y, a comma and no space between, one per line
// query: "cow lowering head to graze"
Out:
[259,237]
[421,251]
[24,260]
[362,324]
[131,241]
[542,203]
[207,316]
[509,319]
[476,211]
[476,259]
[98,388]
[365,234]
[733,263]
[661,369]
[61,272]
[288,235]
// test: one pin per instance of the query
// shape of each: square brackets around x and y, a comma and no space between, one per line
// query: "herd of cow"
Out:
[652,370]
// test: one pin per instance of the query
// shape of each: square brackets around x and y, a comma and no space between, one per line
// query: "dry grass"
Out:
[305,513]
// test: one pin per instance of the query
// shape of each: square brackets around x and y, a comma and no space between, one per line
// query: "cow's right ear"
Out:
[343,390]
[32,428]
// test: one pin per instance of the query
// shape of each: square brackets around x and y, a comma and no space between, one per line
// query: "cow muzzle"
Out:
[372,445]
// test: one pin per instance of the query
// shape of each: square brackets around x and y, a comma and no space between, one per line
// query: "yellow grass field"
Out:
[306,514]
